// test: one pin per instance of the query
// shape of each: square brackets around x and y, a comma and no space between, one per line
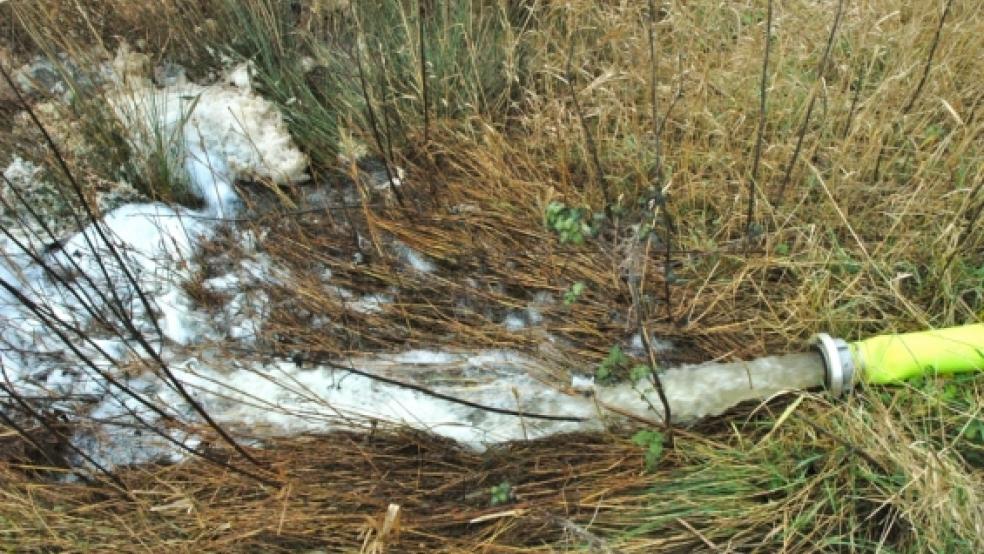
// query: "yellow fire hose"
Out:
[894,358]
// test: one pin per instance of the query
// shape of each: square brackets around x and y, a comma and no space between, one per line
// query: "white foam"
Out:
[659,345]
[582,383]
[218,134]
[514,322]
[370,303]
[416,260]
[425,357]
[241,75]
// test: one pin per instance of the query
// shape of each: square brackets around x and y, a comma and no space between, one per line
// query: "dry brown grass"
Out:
[802,476]
[841,252]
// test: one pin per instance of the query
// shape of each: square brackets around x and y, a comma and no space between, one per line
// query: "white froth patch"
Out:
[416,260]
[514,322]
[582,383]
[156,243]
[368,304]
[426,357]
[217,133]
[241,75]
[636,345]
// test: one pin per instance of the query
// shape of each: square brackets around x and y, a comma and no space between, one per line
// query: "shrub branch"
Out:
[757,155]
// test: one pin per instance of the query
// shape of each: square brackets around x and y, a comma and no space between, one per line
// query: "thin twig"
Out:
[668,224]
[588,137]
[658,383]
[676,96]
[859,84]
[929,60]
[757,155]
[653,365]
[915,93]
[972,225]
[658,164]
[787,173]
[65,441]
[423,69]
[53,324]
[654,96]
[385,112]
[371,112]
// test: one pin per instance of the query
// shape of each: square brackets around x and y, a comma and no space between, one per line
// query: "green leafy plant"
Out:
[501,493]
[569,223]
[652,441]
[639,372]
[613,362]
[573,293]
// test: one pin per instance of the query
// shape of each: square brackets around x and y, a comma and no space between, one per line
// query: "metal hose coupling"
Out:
[838,363]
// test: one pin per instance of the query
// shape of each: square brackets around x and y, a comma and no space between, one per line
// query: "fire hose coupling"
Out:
[894,358]
[838,363]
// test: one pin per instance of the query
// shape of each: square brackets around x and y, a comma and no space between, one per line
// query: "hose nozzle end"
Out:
[838,363]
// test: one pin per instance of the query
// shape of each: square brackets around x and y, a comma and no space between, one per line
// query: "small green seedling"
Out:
[652,441]
[573,293]
[501,493]
[614,361]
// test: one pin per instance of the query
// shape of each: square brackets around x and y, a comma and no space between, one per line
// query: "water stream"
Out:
[506,380]
[702,390]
